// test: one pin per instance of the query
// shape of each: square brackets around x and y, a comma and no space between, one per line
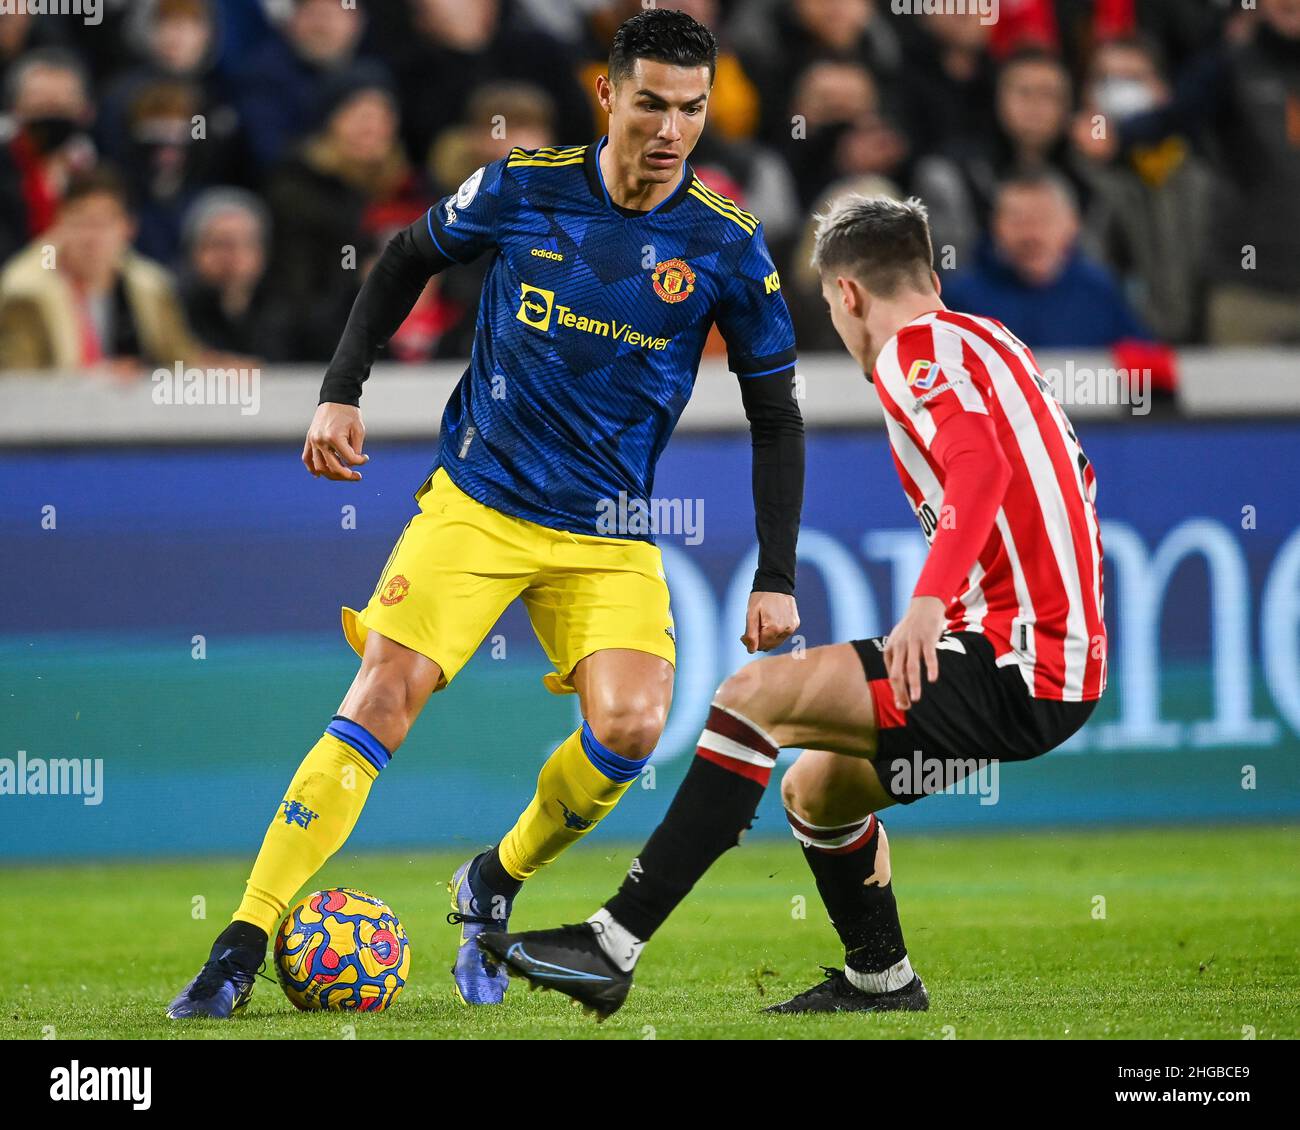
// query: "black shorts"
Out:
[976,712]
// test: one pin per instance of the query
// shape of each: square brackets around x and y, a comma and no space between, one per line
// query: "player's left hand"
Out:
[913,640]
[770,620]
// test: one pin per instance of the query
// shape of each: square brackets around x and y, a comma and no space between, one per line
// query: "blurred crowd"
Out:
[213,178]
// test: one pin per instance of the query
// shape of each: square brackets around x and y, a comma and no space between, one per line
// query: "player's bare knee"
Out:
[382,717]
[630,727]
[806,797]
[743,691]
[790,791]
[384,703]
[819,792]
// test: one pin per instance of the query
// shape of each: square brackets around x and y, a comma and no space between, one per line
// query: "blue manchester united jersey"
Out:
[590,330]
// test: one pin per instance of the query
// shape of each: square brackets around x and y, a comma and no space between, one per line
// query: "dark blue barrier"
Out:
[172,614]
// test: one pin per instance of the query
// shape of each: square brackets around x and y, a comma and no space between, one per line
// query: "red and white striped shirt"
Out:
[1035,590]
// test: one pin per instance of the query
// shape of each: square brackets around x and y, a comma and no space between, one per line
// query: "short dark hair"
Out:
[102,180]
[1033,53]
[1136,41]
[665,36]
[1036,177]
[881,242]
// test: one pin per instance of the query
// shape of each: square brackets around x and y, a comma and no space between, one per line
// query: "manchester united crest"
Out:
[395,591]
[673,280]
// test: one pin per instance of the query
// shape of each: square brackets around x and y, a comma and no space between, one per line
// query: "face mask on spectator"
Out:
[1124,97]
[51,133]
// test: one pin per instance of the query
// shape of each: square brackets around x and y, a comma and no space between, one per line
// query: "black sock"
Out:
[864,914]
[496,877]
[715,803]
[248,941]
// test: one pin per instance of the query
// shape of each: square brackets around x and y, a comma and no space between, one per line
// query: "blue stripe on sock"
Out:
[360,739]
[616,768]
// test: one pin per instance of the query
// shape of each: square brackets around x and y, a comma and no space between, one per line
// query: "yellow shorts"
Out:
[458,564]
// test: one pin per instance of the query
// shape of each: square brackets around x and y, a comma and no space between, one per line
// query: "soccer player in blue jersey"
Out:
[610,263]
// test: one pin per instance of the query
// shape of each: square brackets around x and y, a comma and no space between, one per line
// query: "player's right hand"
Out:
[910,644]
[334,442]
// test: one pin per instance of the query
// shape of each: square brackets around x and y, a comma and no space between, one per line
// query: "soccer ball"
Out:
[342,949]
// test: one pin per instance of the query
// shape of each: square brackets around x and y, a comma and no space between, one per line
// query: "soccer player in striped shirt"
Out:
[1000,655]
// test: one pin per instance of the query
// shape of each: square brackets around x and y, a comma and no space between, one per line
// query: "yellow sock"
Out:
[580,782]
[316,816]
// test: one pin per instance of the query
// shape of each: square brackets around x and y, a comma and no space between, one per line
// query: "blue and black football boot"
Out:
[477,910]
[225,983]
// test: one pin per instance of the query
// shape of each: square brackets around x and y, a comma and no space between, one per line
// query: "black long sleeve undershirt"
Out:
[775,424]
[776,432]
[386,298]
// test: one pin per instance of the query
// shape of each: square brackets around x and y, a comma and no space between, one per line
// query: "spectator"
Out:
[1032,275]
[779,41]
[101,46]
[224,289]
[50,114]
[245,28]
[160,157]
[563,21]
[1059,26]
[1070,27]
[459,47]
[177,42]
[1181,29]
[1240,102]
[94,303]
[838,106]
[1031,132]
[1191,195]
[499,117]
[330,199]
[1152,207]
[947,85]
[21,34]
[279,89]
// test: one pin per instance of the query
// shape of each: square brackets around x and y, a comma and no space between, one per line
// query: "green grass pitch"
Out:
[1199,939]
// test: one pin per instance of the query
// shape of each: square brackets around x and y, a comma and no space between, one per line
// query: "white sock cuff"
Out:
[621,946]
[886,981]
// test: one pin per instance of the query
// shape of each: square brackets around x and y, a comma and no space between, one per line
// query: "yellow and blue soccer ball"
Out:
[342,950]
